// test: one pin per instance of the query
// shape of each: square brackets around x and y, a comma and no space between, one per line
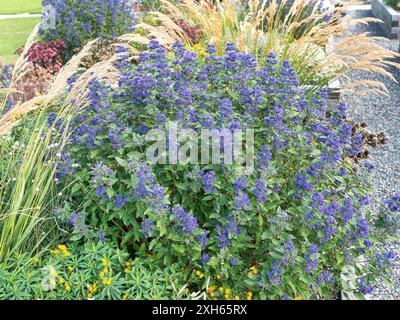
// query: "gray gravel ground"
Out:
[382,114]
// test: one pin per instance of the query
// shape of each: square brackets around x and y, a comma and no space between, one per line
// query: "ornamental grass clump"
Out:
[78,22]
[283,230]
[29,152]
[26,187]
[313,35]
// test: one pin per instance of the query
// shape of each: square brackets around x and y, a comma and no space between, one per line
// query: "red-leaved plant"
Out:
[45,61]
[47,55]
[193,32]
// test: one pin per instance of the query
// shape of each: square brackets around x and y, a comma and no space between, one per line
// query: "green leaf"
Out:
[121,162]
[94,153]
[76,187]
[152,244]
[180,248]
[110,192]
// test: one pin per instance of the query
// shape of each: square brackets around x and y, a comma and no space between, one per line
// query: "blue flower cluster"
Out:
[79,21]
[385,260]
[365,287]
[148,190]
[207,179]
[389,218]
[311,258]
[393,204]
[77,221]
[274,275]
[226,233]
[185,221]
[102,178]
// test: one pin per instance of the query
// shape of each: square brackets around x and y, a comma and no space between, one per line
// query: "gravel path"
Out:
[381,114]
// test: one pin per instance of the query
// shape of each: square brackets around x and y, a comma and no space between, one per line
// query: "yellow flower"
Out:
[104,262]
[227,296]
[125,296]
[53,282]
[64,250]
[227,291]
[254,270]
[249,295]
[61,280]
[200,274]
[67,286]
[103,272]
[200,50]
[218,277]
[107,281]
[298,298]
[53,272]
[70,268]
[92,289]
[128,267]
[221,289]
[237,298]
[55,251]
[211,289]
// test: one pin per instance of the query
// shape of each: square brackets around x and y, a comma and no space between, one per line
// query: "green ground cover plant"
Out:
[92,271]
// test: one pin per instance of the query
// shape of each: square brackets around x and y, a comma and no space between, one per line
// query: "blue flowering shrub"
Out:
[77,22]
[285,230]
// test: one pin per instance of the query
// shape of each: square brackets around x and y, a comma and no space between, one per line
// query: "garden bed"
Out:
[389,16]
[114,194]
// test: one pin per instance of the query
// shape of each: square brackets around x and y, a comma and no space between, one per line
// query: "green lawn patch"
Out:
[13,35]
[20,6]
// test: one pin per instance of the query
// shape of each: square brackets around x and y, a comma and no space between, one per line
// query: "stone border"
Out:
[334,92]
[389,16]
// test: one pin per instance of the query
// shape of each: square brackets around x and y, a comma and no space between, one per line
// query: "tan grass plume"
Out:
[306,40]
